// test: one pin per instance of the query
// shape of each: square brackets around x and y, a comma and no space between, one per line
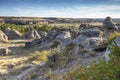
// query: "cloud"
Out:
[100,11]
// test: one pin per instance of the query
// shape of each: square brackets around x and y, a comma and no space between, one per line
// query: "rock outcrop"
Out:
[12,33]
[32,34]
[92,32]
[115,42]
[109,24]
[3,36]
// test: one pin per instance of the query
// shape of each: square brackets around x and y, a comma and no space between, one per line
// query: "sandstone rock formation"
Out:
[92,32]
[109,24]
[32,34]
[115,42]
[3,36]
[12,33]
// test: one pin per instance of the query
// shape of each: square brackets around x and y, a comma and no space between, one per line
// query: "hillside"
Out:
[46,52]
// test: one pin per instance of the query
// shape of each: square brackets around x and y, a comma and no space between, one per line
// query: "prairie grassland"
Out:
[76,25]
[17,60]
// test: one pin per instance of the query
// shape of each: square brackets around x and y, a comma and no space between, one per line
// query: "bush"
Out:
[39,56]
[45,28]
[100,71]
[113,36]
[19,28]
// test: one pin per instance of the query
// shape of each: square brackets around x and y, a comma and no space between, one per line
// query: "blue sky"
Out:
[61,8]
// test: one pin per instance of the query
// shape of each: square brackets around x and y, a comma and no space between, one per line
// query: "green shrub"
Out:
[45,28]
[99,71]
[39,56]
[19,28]
[113,36]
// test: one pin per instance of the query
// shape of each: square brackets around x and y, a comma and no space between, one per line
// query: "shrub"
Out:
[39,56]
[19,28]
[100,71]
[45,28]
[113,36]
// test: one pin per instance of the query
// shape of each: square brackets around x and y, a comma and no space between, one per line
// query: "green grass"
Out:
[113,36]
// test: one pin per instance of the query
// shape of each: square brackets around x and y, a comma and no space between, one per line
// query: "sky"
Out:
[61,8]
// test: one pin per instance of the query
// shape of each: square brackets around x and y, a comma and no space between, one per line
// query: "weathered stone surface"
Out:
[3,36]
[51,35]
[32,34]
[12,33]
[89,43]
[109,24]
[92,32]
[114,43]
[92,43]
[80,39]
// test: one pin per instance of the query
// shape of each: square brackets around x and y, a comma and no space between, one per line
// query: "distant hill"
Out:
[49,20]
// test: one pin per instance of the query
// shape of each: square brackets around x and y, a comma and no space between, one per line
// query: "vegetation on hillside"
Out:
[23,29]
[97,71]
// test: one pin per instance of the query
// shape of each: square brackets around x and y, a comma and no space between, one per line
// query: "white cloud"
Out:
[74,12]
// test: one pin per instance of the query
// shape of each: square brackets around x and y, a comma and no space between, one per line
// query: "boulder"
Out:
[89,43]
[80,39]
[3,36]
[12,33]
[109,24]
[65,36]
[92,32]
[32,34]
[51,35]
[94,42]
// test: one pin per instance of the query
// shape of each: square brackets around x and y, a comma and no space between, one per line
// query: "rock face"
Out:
[51,35]
[89,43]
[109,24]
[92,32]
[3,36]
[12,33]
[32,34]
[114,43]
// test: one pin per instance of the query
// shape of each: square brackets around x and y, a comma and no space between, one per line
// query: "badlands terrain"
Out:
[59,49]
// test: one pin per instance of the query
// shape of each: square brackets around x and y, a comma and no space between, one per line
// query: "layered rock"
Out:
[32,34]
[109,24]
[3,36]
[12,33]
[115,42]
[92,32]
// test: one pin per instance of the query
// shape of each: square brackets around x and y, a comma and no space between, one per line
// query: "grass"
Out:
[38,56]
[113,36]
[97,71]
